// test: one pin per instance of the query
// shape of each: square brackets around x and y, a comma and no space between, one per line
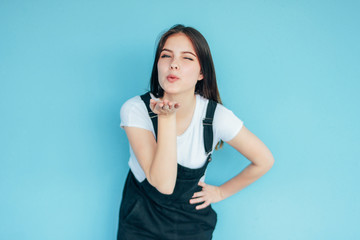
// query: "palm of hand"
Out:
[164,107]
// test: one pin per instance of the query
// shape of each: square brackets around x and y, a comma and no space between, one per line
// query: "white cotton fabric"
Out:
[190,145]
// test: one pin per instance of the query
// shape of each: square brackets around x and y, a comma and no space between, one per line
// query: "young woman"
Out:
[172,131]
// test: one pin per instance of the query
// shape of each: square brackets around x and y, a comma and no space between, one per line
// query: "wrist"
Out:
[221,193]
[167,115]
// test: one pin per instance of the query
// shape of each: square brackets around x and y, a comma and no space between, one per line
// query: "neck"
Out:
[187,102]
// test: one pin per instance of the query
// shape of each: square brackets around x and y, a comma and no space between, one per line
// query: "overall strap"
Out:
[207,122]
[146,99]
[208,127]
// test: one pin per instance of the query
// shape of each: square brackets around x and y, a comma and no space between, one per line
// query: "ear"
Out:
[201,76]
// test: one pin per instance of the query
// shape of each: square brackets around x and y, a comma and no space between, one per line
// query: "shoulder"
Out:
[220,111]
[226,123]
[135,102]
[133,113]
[203,102]
[132,102]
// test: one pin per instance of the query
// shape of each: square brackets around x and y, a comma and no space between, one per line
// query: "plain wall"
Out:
[288,69]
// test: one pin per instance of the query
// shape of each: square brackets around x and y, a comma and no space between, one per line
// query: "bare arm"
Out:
[157,159]
[261,161]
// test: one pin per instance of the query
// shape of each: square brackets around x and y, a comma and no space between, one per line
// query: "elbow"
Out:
[164,187]
[269,163]
[265,164]
[166,190]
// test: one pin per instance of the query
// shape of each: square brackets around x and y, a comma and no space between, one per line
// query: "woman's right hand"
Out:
[163,107]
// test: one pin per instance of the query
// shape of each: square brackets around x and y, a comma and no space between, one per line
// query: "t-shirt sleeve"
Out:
[226,124]
[133,113]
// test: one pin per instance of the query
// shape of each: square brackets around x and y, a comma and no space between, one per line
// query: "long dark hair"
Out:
[207,87]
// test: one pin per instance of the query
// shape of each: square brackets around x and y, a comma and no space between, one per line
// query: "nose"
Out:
[174,65]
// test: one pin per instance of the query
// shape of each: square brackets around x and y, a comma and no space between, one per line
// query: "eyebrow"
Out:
[165,49]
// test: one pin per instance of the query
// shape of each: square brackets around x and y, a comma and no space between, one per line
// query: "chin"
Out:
[171,91]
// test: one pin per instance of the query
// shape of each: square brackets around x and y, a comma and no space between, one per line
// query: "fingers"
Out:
[199,197]
[202,184]
[152,104]
[199,200]
[209,194]
[198,194]
[163,107]
[204,205]
[166,107]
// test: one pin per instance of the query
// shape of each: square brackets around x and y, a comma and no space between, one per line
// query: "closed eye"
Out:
[165,56]
[189,58]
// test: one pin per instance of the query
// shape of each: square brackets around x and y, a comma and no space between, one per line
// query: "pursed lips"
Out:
[172,78]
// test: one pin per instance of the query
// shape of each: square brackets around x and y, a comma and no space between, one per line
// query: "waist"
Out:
[183,191]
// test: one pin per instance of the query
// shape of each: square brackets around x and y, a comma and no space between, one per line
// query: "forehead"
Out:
[179,41]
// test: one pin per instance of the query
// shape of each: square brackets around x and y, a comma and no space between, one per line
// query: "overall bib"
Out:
[146,213]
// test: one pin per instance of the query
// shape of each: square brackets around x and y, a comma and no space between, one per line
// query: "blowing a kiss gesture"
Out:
[163,107]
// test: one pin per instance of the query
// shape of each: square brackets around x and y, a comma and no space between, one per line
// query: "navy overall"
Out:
[146,213]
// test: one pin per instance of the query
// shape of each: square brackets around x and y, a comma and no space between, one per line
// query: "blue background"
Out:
[289,69]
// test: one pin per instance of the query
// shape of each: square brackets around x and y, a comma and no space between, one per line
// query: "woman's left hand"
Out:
[209,194]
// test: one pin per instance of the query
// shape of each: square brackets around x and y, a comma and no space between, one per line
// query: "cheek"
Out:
[192,70]
[161,66]
[161,72]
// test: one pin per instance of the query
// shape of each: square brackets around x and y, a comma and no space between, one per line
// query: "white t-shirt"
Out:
[190,144]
